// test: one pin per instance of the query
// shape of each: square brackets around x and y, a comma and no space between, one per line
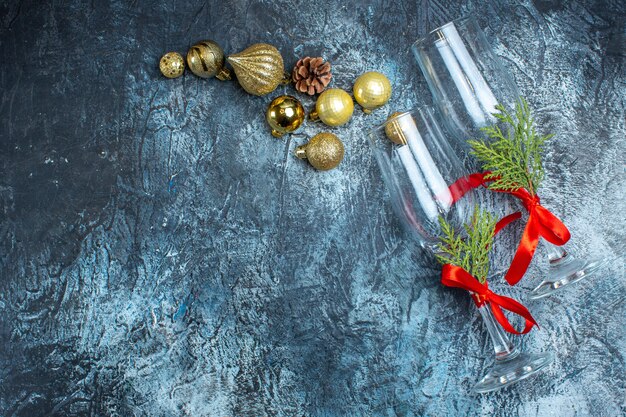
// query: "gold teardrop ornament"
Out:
[206,60]
[397,124]
[372,90]
[334,107]
[259,68]
[324,151]
[172,65]
[285,114]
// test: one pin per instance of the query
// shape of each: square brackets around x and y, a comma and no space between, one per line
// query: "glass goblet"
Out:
[467,80]
[423,175]
[465,77]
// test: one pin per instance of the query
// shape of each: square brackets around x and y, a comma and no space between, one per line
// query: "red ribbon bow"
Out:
[455,276]
[541,223]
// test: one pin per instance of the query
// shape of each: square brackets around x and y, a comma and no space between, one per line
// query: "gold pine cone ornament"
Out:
[334,107]
[285,114]
[259,68]
[206,60]
[324,151]
[372,90]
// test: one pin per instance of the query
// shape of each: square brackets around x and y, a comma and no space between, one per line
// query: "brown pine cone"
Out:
[311,75]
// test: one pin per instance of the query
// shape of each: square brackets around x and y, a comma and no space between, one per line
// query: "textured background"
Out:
[162,255]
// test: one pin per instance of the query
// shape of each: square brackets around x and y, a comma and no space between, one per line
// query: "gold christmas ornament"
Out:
[324,151]
[334,107]
[206,60]
[394,129]
[259,68]
[172,65]
[372,90]
[284,115]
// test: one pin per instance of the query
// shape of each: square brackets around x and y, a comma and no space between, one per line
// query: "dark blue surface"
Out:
[161,254]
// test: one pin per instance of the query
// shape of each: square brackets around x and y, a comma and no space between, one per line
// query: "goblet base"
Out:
[564,273]
[516,367]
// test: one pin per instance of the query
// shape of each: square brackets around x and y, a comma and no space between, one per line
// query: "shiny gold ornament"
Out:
[285,114]
[394,129]
[259,68]
[372,90]
[172,65]
[324,151]
[334,107]
[206,60]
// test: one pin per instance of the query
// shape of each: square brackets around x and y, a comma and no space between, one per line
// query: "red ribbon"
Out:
[541,223]
[465,184]
[455,276]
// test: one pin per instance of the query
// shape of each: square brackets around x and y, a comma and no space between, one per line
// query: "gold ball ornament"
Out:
[206,60]
[259,68]
[334,107]
[372,90]
[285,114]
[324,151]
[397,124]
[172,65]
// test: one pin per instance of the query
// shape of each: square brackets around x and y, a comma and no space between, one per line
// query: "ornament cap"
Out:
[314,116]
[301,152]
[223,74]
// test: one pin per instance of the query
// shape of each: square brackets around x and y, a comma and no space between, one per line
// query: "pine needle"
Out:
[515,159]
[471,252]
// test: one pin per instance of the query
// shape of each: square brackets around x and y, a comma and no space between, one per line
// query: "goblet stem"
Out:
[502,345]
[511,365]
[555,253]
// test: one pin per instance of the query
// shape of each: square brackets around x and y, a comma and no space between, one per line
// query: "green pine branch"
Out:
[515,159]
[472,251]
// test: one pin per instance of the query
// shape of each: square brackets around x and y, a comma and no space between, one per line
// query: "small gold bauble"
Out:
[372,90]
[324,151]
[172,65]
[285,114]
[394,129]
[206,60]
[259,68]
[334,107]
